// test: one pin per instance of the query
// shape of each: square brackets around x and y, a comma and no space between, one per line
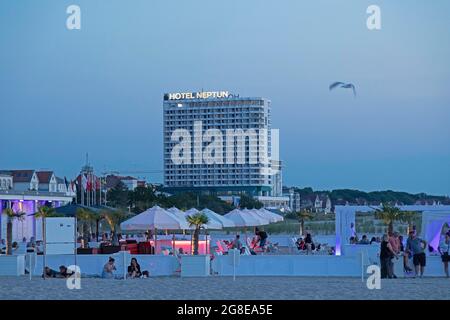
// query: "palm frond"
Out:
[198,219]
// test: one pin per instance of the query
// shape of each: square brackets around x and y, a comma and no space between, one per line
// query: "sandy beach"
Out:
[224,288]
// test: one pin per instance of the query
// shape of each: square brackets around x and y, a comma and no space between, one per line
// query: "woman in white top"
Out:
[444,249]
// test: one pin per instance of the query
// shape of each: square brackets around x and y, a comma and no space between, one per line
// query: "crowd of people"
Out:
[412,252]
[258,244]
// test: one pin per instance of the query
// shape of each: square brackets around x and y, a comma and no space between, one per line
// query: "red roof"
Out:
[44,176]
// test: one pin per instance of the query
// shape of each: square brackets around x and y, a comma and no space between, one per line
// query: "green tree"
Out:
[249,202]
[142,198]
[11,216]
[197,220]
[118,196]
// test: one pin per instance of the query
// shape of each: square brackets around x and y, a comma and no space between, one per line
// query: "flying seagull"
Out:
[343,85]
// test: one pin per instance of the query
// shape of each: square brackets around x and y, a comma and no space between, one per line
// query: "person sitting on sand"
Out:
[300,244]
[108,269]
[134,269]
[364,240]
[310,246]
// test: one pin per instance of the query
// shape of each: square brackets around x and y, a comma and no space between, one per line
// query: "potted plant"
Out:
[11,264]
[196,265]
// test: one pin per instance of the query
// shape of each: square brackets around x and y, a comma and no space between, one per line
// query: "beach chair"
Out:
[220,247]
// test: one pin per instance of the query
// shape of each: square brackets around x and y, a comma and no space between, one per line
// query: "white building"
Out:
[192,124]
[6,182]
[25,192]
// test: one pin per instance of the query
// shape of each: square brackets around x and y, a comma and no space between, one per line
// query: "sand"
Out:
[220,288]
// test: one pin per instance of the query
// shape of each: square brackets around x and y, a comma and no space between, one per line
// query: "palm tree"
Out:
[303,215]
[11,216]
[86,217]
[114,218]
[198,220]
[389,214]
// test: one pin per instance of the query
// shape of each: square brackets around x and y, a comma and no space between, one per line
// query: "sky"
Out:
[99,90]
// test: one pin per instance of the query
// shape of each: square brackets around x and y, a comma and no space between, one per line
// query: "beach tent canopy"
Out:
[190,212]
[177,212]
[212,224]
[433,218]
[226,223]
[432,223]
[245,219]
[262,220]
[268,215]
[154,218]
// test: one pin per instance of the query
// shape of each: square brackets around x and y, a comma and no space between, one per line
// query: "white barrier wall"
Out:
[92,264]
[289,265]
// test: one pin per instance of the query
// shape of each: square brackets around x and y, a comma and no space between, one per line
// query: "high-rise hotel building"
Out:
[239,131]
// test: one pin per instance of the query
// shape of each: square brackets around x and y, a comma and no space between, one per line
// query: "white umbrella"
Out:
[154,218]
[262,220]
[272,217]
[243,219]
[226,223]
[212,223]
[178,213]
[190,212]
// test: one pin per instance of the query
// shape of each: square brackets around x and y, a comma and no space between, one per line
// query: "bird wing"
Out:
[336,84]
[350,86]
[353,88]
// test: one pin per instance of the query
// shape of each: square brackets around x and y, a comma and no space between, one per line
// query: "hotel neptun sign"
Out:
[197,95]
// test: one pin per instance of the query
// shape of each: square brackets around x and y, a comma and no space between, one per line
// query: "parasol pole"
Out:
[156,239]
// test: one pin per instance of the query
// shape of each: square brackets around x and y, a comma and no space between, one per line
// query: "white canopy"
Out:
[190,212]
[245,219]
[154,218]
[272,217]
[212,223]
[262,220]
[177,212]
[225,223]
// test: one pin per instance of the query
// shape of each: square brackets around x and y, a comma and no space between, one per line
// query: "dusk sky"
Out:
[99,89]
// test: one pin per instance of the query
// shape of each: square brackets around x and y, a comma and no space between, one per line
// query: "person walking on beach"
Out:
[416,246]
[386,256]
[444,250]
[108,269]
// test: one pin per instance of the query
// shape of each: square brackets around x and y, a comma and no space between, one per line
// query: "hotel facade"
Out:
[26,191]
[219,143]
